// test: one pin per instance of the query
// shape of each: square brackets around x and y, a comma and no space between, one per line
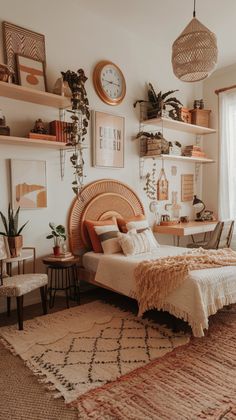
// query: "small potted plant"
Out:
[58,233]
[12,232]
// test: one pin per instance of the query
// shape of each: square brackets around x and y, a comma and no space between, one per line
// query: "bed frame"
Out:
[99,200]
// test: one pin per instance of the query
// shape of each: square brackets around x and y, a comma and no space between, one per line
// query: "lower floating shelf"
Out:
[176,157]
[24,141]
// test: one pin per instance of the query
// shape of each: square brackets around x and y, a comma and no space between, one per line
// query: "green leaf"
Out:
[22,227]
[49,237]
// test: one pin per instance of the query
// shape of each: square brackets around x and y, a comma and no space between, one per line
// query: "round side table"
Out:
[62,275]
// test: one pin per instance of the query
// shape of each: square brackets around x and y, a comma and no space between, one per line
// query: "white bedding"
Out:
[201,295]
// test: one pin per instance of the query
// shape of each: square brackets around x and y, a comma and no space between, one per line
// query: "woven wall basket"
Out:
[194,52]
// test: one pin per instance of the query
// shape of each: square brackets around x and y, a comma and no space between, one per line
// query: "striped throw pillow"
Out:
[133,243]
[108,236]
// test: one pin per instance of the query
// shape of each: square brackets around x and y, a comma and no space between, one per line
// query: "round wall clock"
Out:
[109,82]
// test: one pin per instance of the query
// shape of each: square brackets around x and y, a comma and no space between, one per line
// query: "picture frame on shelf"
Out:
[108,140]
[28,184]
[18,40]
[187,187]
[31,73]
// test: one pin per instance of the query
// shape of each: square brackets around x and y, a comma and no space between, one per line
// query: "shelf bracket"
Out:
[62,162]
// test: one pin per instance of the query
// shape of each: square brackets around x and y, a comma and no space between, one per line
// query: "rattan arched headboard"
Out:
[99,200]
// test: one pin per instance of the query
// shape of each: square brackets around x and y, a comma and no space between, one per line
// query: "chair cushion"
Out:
[22,284]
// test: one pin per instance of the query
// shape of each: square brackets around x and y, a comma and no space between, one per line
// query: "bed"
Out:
[203,292]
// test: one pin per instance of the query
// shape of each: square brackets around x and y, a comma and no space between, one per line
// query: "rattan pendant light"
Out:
[194,52]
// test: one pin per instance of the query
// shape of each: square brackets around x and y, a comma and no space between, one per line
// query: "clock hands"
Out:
[112,83]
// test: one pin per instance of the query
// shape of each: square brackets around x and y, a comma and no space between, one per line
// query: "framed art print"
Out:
[187,187]
[18,40]
[31,73]
[4,248]
[108,140]
[28,183]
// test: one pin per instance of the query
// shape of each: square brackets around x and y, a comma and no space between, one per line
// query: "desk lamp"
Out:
[198,203]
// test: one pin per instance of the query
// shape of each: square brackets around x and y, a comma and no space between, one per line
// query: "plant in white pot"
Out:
[58,234]
[12,232]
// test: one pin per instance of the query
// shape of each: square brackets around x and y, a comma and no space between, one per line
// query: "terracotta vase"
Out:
[15,245]
[56,250]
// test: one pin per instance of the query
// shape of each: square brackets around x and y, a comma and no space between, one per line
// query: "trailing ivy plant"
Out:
[80,118]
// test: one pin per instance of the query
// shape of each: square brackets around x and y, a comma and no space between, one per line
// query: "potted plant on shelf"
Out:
[161,105]
[58,233]
[12,232]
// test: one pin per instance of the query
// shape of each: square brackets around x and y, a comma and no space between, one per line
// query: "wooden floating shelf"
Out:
[178,126]
[176,157]
[11,140]
[10,90]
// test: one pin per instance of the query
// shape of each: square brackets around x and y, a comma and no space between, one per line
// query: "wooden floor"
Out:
[88,296]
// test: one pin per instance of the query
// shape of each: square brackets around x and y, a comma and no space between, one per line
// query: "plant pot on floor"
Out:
[15,245]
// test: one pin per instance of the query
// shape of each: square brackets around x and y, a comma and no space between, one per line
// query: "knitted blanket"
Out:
[156,279]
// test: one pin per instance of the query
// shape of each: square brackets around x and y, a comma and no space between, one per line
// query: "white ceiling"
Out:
[165,20]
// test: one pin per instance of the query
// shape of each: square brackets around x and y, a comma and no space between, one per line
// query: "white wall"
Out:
[78,34]
[220,79]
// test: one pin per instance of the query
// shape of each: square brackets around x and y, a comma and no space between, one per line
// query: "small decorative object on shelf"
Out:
[200,117]
[198,104]
[186,115]
[58,234]
[4,130]
[5,73]
[40,132]
[159,105]
[12,232]
[162,186]
[61,87]
[152,144]
[175,148]
[78,129]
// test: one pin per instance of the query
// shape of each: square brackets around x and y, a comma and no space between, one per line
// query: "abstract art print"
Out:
[29,184]
[4,248]
[31,73]
[108,140]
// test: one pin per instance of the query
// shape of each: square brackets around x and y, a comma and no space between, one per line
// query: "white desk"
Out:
[185,229]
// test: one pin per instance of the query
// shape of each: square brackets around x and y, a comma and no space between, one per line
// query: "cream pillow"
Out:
[133,243]
[108,236]
[139,225]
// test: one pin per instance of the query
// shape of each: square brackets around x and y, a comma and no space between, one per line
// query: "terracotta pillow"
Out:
[95,241]
[122,222]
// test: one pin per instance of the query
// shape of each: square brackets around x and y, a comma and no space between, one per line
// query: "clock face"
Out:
[109,83]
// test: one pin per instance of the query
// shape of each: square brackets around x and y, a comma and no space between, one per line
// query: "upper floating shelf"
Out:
[178,126]
[21,93]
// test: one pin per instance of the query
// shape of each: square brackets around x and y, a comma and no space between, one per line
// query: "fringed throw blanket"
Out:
[156,279]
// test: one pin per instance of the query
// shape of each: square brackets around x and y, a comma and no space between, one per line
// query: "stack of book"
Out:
[60,129]
[193,151]
[62,257]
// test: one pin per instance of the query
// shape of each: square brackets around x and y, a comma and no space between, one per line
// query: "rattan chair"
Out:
[220,238]
[19,285]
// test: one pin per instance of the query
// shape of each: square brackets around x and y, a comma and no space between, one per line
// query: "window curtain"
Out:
[227,156]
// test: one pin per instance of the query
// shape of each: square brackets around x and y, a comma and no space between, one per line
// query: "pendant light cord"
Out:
[194,8]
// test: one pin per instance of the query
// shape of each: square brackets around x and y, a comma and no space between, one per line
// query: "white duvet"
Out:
[202,294]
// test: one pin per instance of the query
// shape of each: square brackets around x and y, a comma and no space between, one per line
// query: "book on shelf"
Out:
[62,257]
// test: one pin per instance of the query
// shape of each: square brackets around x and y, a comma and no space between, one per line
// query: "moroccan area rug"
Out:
[193,382]
[79,349]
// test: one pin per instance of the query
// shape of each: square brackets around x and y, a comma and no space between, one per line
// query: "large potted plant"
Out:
[12,231]
[58,234]
[161,104]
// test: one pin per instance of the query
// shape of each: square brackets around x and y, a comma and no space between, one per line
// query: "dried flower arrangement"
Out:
[159,102]
[80,118]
